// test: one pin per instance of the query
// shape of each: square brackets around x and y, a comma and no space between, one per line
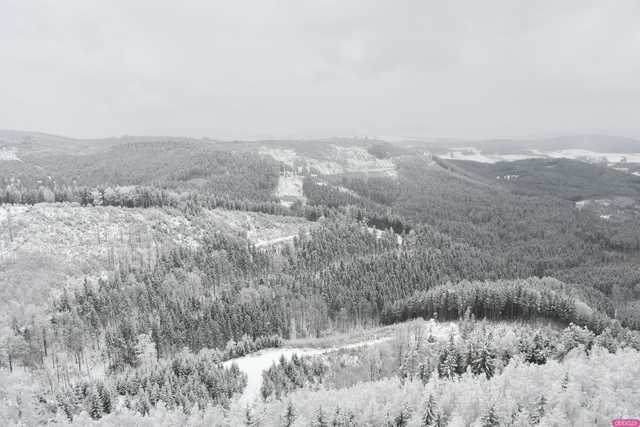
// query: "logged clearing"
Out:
[8,155]
[290,189]
[334,159]
[45,247]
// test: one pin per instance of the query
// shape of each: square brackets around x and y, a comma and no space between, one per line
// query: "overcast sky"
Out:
[266,68]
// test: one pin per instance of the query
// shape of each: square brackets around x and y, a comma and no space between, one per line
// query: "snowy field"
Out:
[50,246]
[255,364]
[336,160]
[8,155]
[290,189]
[475,155]
[592,156]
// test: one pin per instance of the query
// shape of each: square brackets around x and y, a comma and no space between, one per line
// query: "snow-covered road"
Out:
[255,363]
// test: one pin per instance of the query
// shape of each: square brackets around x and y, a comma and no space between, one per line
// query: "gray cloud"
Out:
[295,68]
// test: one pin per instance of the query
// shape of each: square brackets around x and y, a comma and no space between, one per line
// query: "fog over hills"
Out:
[36,141]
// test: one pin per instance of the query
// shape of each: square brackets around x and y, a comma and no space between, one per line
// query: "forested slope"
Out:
[169,257]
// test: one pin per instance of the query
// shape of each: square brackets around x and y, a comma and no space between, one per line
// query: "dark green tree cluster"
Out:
[524,299]
[289,375]
[184,381]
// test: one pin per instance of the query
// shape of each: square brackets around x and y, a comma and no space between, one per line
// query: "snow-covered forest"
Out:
[193,294]
[286,213]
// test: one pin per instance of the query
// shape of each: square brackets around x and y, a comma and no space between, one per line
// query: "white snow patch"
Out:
[8,154]
[469,154]
[593,156]
[290,187]
[270,242]
[378,234]
[285,156]
[255,363]
[476,155]
[335,160]
[514,157]
[260,229]
[358,159]
[375,231]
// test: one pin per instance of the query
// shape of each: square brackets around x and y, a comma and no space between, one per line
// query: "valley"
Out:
[199,282]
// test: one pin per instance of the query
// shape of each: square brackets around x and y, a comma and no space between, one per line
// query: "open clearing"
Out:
[290,189]
[48,246]
[335,159]
[255,364]
[476,155]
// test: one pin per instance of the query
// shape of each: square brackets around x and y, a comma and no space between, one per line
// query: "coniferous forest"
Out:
[194,282]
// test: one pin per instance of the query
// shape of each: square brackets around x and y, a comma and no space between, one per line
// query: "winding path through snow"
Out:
[255,363]
[263,243]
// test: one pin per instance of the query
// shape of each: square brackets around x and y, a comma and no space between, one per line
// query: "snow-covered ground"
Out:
[358,159]
[290,187]
[8,155]
[260,229]
[285,156]
[52,245]
[335,160]
[379,233]
[592,156]
[476,155]
[255,364]
[277,240]
[471,154]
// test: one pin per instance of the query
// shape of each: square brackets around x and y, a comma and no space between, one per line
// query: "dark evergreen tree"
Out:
[289,416]
[490,419]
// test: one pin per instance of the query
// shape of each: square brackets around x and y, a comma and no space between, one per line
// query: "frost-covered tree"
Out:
[289,416]
[431,416]
[538,410]
[450,360]
[490,419]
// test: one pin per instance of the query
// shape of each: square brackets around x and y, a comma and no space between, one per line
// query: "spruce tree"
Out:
[431,415]
[403,417]
[95,405]
[320,420]
[105,398]
[490,419]
[249,419]
[289,416]
[565,381]
[485,362]
[449,360]
[539,410]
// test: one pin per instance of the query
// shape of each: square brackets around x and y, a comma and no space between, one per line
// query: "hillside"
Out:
[140,280]
[48,247]
[564,178]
